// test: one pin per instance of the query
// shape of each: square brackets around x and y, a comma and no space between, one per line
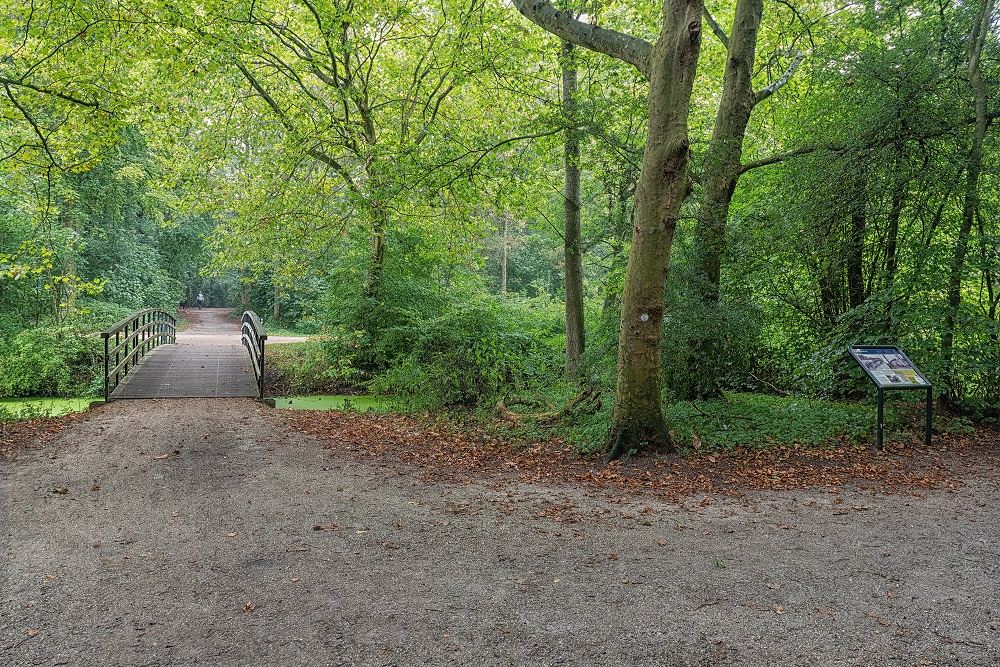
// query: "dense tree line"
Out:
[474,201]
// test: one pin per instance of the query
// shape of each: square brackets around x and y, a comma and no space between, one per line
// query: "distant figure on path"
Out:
[200,300]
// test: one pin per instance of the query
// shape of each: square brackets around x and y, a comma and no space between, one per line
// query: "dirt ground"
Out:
[187,532]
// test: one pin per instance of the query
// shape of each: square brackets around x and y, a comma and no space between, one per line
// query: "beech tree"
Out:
[670,65]
[572,244]
[720,173]
[970,202]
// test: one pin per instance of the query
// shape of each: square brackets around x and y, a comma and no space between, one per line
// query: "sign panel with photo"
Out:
[889,368]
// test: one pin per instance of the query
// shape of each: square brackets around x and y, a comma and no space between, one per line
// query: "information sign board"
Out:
[889,368]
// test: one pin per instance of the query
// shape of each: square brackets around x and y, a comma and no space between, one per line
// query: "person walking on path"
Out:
[200,300]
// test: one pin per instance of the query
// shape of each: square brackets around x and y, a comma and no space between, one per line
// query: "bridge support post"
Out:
[104,335]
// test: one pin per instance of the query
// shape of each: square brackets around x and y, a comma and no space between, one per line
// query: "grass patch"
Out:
[282,331]
[17,409]
[378,404]
[760,421]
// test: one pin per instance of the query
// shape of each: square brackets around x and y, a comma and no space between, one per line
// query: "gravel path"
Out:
[202,532]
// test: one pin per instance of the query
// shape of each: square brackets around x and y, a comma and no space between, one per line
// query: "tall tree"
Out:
[720,174]
[356,87]
[572,245]
[970,204]
[670,65]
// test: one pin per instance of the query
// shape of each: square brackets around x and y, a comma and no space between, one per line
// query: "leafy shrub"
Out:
[311,367]
[475,353]
[50,362]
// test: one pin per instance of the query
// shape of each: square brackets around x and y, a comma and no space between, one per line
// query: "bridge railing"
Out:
[134,337]
[253,341]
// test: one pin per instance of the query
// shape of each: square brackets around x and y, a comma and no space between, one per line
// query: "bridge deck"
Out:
[208,361]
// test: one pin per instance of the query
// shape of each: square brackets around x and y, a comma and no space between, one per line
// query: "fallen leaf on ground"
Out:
[327,527]
[446,452]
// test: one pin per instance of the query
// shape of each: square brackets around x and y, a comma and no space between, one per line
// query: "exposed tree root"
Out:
[586,402]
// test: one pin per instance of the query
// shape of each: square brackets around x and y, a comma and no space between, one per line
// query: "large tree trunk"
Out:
[276,310]
[638,413]
[572,245]
[969,206]
[503,252]
[722,160]
[719,177]
[373,285]
[855,256]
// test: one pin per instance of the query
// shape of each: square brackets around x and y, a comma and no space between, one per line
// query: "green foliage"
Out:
[475,353]
[50,362]
[761,421]
[16,410]
[151,155]
[708,347]
[307,368]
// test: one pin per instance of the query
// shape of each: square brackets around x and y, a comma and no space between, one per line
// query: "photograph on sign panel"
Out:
[897,361]
[909,376]
[872,361]
[888,377]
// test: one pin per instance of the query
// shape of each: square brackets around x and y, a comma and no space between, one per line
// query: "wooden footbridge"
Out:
[145,356]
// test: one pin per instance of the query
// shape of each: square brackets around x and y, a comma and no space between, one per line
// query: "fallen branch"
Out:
[775,389]
[586,402]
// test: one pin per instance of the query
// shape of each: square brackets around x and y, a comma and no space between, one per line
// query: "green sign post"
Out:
[889,368]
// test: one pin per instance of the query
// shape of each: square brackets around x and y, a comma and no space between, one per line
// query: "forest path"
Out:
[186,532]
[208,361]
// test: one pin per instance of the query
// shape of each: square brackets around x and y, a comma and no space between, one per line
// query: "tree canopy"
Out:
[714,196]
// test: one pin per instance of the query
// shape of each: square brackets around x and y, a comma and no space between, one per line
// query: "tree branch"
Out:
[716,28]
[278,111]
[765,93]
[781,157]
[629,49]
[94,104]
[870,145]
[34,125]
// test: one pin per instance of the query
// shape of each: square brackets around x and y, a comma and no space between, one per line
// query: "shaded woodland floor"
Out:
[223,532]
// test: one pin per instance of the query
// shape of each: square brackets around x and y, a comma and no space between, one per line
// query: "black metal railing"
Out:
[253,341]
[134,337]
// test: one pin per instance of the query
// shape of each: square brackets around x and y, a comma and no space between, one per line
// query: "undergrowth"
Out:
[756,421]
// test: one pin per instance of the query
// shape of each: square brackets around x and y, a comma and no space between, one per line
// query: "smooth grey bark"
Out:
[662,186]
[719,176]
[970,205]
[572,247]
[722,160]
[503,253]
[670,66]
[565,25]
